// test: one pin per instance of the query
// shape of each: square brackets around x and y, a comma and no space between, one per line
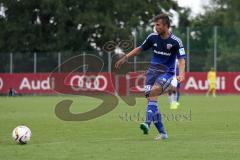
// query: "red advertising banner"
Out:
[45,83]
[226,83]
[25,83]
[195,82]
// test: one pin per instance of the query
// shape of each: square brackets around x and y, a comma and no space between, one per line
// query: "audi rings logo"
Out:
[1,83]
[236,83]
[139,82]
[88,82]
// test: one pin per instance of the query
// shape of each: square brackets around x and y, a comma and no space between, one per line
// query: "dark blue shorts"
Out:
[158,76]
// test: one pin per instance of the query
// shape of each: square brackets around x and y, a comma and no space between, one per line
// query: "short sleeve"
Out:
[180,50]
[147,43]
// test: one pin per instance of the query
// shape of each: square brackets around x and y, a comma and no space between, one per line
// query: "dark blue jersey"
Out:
[165,51]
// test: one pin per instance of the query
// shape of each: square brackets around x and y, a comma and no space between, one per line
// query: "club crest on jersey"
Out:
[169,46]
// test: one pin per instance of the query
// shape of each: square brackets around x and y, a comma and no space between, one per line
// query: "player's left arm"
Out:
[181,56]
[181,65]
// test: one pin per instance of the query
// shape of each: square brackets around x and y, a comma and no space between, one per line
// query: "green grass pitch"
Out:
[202,128]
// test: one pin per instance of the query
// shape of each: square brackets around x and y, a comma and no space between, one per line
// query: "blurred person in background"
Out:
[212,77]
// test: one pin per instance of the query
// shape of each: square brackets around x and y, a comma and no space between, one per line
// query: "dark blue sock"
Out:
[157,120]
[151,108]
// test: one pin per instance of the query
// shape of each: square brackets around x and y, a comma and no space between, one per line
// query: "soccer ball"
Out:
[21,134]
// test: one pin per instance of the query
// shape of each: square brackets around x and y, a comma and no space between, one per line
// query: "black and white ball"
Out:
[21,134]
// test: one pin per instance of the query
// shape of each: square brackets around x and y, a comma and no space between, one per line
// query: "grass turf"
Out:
[202,128]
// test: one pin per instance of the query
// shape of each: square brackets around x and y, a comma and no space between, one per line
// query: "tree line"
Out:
[73,25]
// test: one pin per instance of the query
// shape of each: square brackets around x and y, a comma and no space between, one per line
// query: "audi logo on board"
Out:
[1,83]
[88,82]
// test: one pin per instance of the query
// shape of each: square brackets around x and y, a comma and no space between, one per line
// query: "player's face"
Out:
[161,27]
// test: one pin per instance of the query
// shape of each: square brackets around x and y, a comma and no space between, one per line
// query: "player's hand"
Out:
[181,78]
[121,61]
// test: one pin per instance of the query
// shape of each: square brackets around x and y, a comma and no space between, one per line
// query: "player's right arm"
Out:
[124,59]
[145,46]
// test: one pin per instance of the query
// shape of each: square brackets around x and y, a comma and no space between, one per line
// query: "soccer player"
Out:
[174,94]
[212,76]
[165,47]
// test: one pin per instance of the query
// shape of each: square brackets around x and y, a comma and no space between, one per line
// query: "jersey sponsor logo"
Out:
[91,82]
[169,46]
[162,53]
[181,51]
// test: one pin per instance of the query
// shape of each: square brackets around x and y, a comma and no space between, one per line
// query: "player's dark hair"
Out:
[164,18]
